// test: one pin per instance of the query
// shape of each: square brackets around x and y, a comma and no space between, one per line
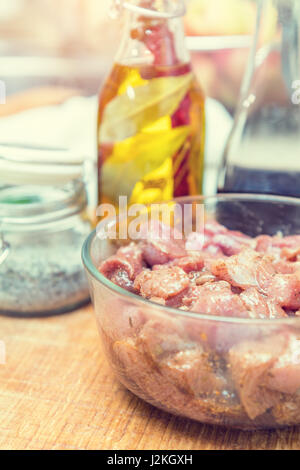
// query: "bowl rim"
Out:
[93,271]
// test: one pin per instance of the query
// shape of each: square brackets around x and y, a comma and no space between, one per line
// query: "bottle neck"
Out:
[154,38]
[155,8]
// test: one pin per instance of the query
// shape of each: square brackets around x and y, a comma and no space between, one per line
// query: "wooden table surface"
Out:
[58,392]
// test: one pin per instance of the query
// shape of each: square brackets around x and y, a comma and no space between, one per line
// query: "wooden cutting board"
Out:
[58,392]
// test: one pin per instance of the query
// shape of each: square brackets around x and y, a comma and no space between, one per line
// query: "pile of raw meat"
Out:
[226,372]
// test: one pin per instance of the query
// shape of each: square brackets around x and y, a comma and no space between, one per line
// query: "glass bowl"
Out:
[208,368]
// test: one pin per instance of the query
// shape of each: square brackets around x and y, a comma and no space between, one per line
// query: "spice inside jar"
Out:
[42,230]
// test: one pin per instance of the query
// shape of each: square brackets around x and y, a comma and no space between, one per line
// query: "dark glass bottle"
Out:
[263,150]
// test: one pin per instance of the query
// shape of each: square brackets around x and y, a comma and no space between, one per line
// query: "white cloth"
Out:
[72,125]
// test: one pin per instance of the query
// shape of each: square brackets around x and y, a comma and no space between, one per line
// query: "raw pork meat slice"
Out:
[164,283]
[217,299]
[284,376]
[284,289]
[161,243]
[250,363]
[122,268]
[244,270]
[259,306]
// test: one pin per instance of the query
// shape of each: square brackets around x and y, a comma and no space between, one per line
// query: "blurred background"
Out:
[55,52]
[71,43]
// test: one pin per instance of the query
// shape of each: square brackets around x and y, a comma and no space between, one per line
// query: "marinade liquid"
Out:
[151,124]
